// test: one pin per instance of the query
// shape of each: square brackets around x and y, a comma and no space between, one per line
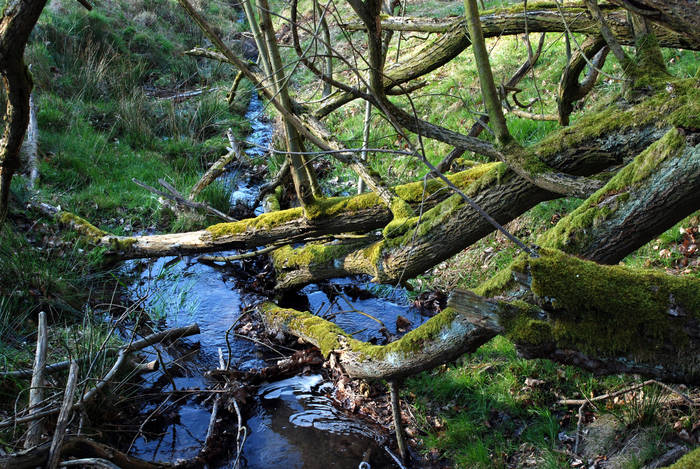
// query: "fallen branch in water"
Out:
[218,168]
[122,355]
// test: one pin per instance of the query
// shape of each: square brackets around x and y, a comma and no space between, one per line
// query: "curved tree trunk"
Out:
[18,20]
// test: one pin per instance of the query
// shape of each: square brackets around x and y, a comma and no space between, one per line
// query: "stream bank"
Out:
[299,421]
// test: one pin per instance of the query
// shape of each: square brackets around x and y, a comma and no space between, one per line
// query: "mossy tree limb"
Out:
[335,215]
[608,319]
[443,338]
[648,196]
[451,226]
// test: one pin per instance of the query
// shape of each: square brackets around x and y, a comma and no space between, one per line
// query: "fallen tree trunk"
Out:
[444,337]
[647,197]
[608,319]
[335,215]
[417,244]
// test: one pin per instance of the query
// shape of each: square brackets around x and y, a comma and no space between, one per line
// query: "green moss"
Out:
[397,227]
[573,231]
[121,244]
[287,258]
[413,192]
[648,69]
[526,158]
[328,207]
[677,103]
[81,225]
[612,310]
[689,461]
[261,222]
[522,326]
[400,209]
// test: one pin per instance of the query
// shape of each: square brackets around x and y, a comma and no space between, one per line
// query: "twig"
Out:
[238,257]
[608,395]
[63,417]
[90,462]
[180,200]
[209,440]
[241,430]
[396,413]
[36,390]
[394,457]
[578,426]
[259,342]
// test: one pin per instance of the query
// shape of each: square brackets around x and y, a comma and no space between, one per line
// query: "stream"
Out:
[292,423]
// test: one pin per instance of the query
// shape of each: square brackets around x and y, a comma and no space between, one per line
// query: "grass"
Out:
[99,124]
[488,417]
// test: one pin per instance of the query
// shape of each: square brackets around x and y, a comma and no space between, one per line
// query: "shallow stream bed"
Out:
[292,423]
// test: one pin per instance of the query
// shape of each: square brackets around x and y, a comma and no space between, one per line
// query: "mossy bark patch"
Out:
[574,231]
[413,192]
[261,222]
[612,310]
[676,103]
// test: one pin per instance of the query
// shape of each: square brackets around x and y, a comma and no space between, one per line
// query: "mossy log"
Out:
[608,319]
[659,188]
[361,213]
[443,338]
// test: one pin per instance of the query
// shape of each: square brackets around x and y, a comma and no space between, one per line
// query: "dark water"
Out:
[291,423]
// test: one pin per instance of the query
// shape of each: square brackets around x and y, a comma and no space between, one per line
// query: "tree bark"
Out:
[452,225]
[18,20]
